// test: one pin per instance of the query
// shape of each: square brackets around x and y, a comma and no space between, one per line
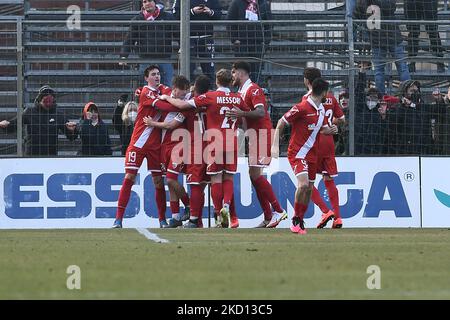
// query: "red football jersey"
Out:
[195,124]
[306,120]
[216,103]
[166,135]
[253,97]
[332,110]
[144,137]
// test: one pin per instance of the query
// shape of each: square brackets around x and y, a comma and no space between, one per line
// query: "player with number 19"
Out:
[145,143]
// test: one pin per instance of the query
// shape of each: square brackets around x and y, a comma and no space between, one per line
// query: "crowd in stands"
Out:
[406,122]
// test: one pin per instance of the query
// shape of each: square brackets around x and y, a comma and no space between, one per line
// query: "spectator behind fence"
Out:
[423,10]
[152,41]
[94,133]
[409,124]
[341,139]
[124,123]
[440,122]
[250,40]
[118,122]
[370,117]
[202,42]
[349,8]
[43,122]
[385,39]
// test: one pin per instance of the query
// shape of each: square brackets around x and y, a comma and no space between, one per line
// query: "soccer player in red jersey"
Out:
[146,143]
[327,162]
[221,152]
[170,121]
[306,118]
[196,167]
[197,178]
[259,131]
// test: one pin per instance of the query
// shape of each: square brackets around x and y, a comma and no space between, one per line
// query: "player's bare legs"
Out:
[266,198]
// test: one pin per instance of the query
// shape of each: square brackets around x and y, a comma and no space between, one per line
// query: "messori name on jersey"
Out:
[228,100]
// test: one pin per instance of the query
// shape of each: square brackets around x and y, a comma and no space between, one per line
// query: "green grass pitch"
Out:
[225,264]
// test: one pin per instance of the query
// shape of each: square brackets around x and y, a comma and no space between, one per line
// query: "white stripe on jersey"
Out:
[178,116]
[243,90]
[312,138]
[146,134]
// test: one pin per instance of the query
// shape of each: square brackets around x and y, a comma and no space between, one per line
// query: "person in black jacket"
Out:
[370,118]
[250,40]
[43,122]
[94,133]
[440,122]
[409,125]
[151,40]
[123,120]
[385,39]
[202,42]
[423,10]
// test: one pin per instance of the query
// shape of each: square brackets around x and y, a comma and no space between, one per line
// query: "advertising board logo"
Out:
[79,195]
[442,197]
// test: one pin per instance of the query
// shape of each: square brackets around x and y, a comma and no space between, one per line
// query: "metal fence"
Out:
[103,61]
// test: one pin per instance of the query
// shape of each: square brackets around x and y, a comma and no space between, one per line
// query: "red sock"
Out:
[317,199]
[300,209]
[175,207]
[196,200]
[227,191]
[263,201]
[202,202]
[124,197]
[269,194]
[160,195]
[185,200]
[233,213]
[334,197]
[217,195]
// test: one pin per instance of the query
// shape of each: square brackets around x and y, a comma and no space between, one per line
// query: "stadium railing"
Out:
[82,65]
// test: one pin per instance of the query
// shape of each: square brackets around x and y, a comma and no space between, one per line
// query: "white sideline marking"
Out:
[151,236]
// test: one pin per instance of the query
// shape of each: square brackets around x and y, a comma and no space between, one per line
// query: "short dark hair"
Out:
[224,77]
[202,84]
[374,91]
[180,82]
[151,67]
[242,65]
[319,86]
[311,74]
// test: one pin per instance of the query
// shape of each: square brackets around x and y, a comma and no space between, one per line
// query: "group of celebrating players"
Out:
[194,132]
